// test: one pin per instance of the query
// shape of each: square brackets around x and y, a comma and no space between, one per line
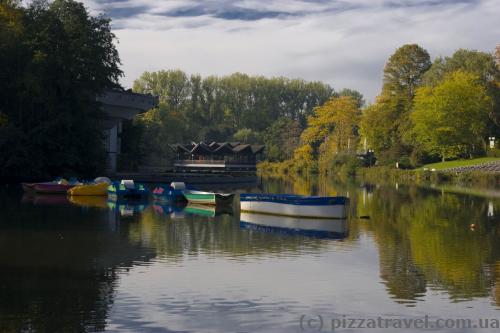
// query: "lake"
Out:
[406,254]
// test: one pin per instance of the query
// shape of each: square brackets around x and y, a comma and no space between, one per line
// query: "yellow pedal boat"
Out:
[89,189]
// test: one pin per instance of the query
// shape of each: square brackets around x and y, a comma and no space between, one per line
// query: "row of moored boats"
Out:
[273,204]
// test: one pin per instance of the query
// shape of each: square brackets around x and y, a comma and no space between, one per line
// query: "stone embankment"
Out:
[485,167]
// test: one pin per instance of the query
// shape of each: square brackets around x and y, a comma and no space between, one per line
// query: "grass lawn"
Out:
[459,163]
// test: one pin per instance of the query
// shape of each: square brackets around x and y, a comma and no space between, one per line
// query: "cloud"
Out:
[344,43]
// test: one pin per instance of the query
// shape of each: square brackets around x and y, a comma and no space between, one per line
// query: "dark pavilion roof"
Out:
[222,148]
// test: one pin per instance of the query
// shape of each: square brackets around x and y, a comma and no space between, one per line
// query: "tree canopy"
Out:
[451,118]
[59,57]
[252,109]
[388,134]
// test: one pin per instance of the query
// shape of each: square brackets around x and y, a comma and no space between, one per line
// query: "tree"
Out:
[390,116]
[63,58]
[281,139]
[221,108]
[404,70]
[338,118]
[480,63]
[332,130]
[246,135]
[450,119]
[377,127]
[354,94]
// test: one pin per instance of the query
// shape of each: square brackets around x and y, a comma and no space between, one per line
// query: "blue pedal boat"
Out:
[127,189]
[170,193]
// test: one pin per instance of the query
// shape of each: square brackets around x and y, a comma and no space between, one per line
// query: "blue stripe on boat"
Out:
[294,232]
[291,199]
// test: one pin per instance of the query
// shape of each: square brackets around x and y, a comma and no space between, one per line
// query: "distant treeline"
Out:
[252,109]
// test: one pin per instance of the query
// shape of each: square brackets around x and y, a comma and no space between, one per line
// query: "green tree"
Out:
[246,135]
[389,133]
[219,108]
[480,63]
[281,139]
[354,94]
[62,58]
[332,131]
[451,118]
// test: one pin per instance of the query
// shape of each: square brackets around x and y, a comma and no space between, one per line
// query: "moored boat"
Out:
[100,189]
[172,193]
[295,205]
[52,188]
[208,198]
[311,227]
[59,186]
[128,189]
[207,210]
[28,187]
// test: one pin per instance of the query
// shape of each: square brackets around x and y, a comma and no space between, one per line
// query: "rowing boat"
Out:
[208,198]
[295,205]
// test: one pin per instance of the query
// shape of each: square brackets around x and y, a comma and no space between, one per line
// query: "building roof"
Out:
[220,148]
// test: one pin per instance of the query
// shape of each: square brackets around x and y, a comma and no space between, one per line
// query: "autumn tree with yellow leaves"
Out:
[331,131]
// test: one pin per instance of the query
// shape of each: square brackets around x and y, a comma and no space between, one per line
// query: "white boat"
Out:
[313,227]
[295,205]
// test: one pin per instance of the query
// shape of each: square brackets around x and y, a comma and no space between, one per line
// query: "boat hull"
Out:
[207,198]
[100,189]
[48,188]
[120,192]
[296,206]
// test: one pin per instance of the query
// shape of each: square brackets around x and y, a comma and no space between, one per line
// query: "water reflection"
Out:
[428,238]
[59,267]
[321,228]
[63,261]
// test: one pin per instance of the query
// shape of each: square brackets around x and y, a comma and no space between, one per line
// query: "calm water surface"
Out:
[93,265]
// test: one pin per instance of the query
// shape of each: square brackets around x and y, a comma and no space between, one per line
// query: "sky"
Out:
[344,43]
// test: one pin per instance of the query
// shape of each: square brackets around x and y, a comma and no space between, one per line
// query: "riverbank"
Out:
[476,178]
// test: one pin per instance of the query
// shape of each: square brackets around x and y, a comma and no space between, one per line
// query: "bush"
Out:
[495,152]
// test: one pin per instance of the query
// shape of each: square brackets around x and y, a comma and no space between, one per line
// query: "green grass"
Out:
[460,163]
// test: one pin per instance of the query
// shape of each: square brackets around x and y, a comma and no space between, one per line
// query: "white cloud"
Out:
[344,43]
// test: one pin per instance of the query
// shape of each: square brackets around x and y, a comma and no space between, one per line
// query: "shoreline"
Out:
[483,179]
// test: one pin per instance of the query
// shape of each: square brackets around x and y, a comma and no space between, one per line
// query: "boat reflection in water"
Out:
[45,199]
[208,210]
[89,201]
[127,207]
[172,210]
[311,227]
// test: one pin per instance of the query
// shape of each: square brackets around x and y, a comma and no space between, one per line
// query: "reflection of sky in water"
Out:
[255,294]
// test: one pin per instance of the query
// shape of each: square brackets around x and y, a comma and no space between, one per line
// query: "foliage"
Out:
[450,119]
[386,124]
[223,108]
[354,94]
[335,122]
[304,159]
[159,127]
[480,63]
[281,138]
[59,58]
[246,135]
[332,130]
